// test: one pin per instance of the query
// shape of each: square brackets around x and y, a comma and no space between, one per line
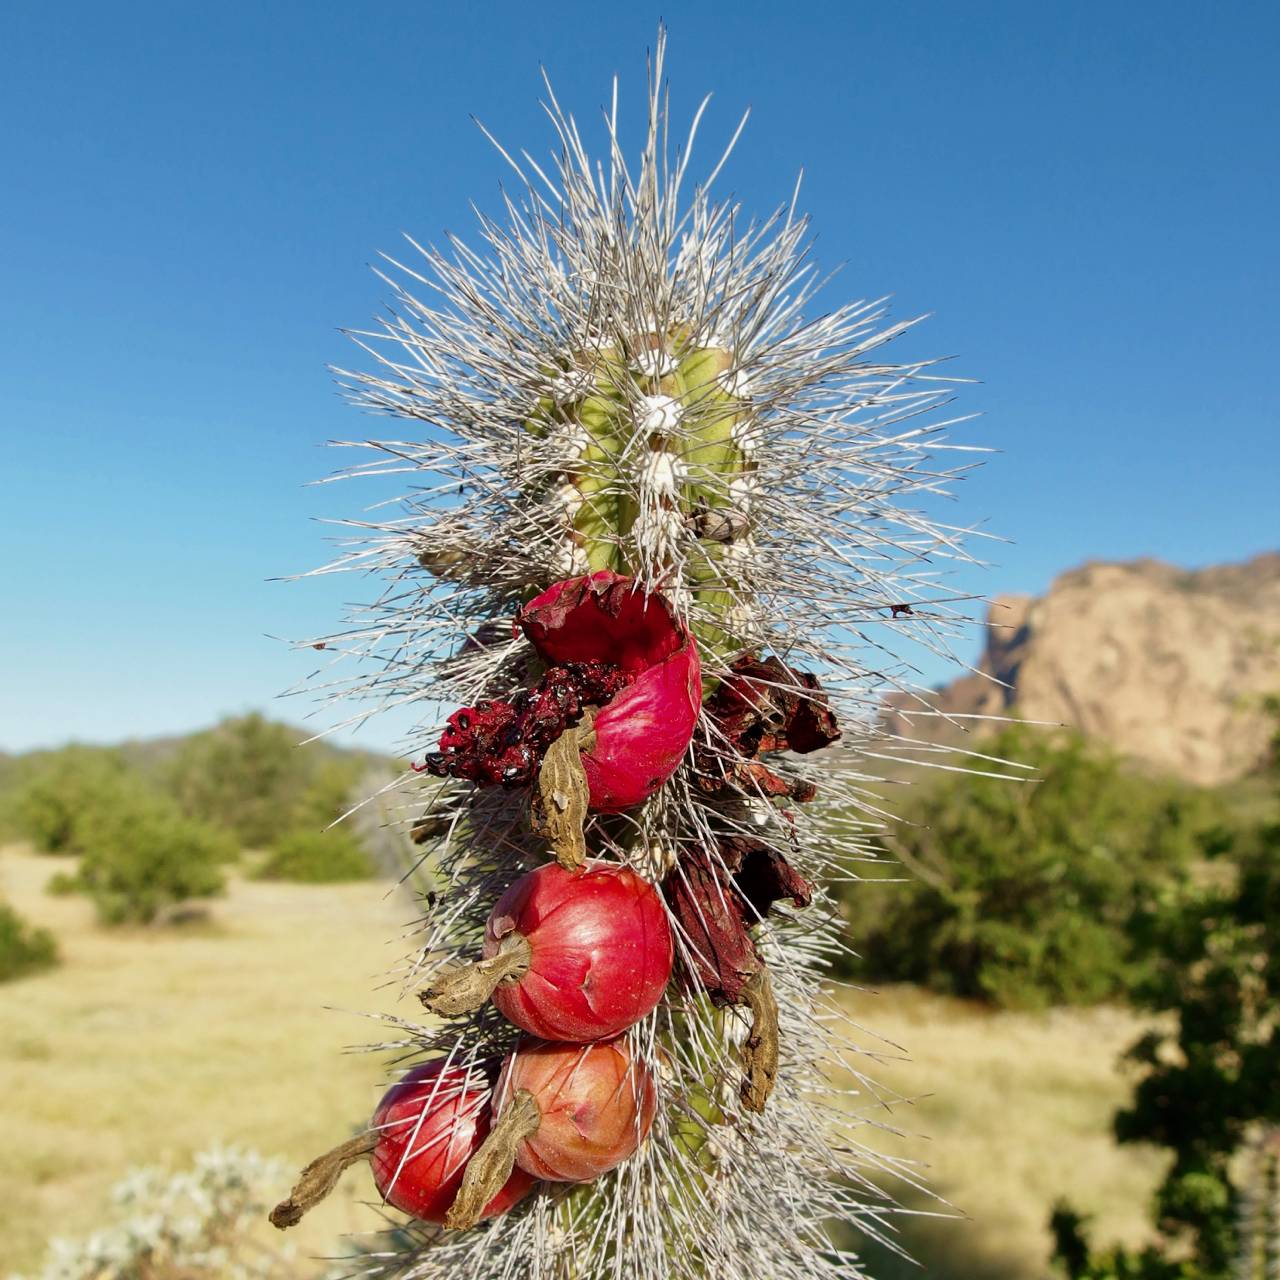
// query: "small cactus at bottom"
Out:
[190,1225]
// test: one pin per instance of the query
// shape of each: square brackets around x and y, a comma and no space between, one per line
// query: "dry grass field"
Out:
[1017,1113]
[146,1046]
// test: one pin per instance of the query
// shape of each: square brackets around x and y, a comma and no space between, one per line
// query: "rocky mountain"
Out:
[1168,666]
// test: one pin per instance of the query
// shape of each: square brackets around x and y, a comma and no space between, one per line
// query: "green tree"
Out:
[250,776]
[1210,1082]
[144,856]
[55,797]
[240,775]
[1032,892]
[317,857]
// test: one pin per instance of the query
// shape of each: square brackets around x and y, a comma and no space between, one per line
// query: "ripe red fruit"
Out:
[642,733]
[422,1136]
[599,950]
[563,1112]
[596,1101]
[429,1125]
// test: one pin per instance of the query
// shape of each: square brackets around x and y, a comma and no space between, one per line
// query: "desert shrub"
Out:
[316,857]
[194,1225]
[250,776]
[24,948]
[146,856]
[330,790]
[62,884]
[53,797]
[1035,892]
[1208,1089]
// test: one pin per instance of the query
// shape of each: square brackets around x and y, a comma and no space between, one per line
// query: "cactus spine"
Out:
[626,379]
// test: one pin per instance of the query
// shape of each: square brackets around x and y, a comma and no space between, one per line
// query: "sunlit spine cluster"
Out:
[656,532]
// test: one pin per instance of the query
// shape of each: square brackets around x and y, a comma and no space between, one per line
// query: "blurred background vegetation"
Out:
[1091,949]
[155,825]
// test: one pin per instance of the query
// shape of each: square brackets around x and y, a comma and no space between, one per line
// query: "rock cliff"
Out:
[1168,666]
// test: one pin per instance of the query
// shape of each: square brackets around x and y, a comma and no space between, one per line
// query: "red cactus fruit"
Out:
[569,955]
[564,1113]
[429,1125]
[597,1103]
[600,951]
[425,1130]
[642,733]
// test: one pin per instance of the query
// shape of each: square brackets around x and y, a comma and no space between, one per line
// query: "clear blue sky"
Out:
[1084,194]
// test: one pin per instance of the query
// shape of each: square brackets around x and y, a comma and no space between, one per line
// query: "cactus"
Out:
[627,381]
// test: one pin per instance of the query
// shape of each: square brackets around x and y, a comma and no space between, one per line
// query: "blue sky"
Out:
[1084,195]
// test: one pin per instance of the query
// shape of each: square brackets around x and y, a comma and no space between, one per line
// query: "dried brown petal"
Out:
[763,876]
[721,957]
[716,901]
[763,706]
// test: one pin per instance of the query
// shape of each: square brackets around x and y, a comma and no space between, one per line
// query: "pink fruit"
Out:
[596,1102]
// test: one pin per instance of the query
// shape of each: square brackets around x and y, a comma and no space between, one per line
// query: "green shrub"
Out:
[24,949]
[146,857]
[54,797]
[250,776]
[1028,893]
[62,883]
[316,857]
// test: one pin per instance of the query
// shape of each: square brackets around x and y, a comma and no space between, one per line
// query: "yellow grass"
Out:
[147,1045]
[1018,1113]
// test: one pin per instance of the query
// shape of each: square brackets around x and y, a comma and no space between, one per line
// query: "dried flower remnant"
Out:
[763,706]
[715,901]
[422,1135]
